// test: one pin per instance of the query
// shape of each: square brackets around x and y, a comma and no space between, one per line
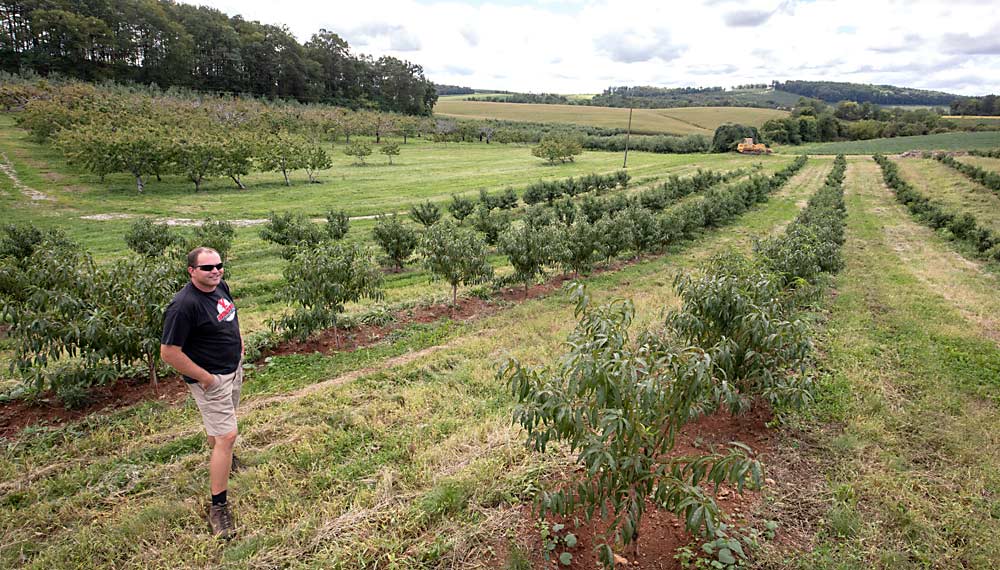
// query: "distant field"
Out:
[971,121]
[942,141]
[676,121]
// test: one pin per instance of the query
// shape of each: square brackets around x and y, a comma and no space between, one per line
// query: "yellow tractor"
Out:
[747,147]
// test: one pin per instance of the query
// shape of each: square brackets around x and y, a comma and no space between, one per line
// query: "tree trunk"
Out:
[139,184]
[285,172]
[454,296]
[197,184]
[151,361]
[525,289]
[239,183]
[404,138]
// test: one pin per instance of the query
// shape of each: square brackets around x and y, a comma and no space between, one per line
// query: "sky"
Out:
[577,46]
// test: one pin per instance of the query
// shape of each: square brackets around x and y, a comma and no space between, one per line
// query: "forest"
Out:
[178,45]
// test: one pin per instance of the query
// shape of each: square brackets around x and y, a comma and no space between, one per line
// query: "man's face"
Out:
[206,280]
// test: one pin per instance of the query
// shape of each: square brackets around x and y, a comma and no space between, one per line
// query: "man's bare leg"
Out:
[221,461]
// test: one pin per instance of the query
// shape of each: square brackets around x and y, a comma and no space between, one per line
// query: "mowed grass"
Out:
[899,460]
[940,141]
[411,464]
[984,162]
[677,121]
[953,189]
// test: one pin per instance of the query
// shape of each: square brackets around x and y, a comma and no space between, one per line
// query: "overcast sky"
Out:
[577,46]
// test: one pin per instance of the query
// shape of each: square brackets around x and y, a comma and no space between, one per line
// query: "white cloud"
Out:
[580,46]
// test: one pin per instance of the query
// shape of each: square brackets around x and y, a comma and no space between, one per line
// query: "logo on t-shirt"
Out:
[227,310]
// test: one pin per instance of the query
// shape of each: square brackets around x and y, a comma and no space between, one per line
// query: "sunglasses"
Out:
[209,266]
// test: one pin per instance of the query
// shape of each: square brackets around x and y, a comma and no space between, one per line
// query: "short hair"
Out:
[194,253]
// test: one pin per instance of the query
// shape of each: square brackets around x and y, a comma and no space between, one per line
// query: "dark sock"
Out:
[219,499]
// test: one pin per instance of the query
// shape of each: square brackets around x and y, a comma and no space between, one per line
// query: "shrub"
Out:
[337,224]
[458,256]
[529,248]
[216,234]
[578,249]
[322,279]
[151,239]
[490,223]
[390,149]
[735,312]
[426,214]
[292,231]
[396,240]
[460,208]
[557,148]
[619,414]
[360,150]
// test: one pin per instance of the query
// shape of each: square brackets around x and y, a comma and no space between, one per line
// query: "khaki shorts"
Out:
[218,404]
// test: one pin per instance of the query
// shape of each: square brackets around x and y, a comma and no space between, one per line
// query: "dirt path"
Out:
[7,167]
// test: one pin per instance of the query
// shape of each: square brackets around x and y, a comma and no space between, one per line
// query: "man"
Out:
[201,339]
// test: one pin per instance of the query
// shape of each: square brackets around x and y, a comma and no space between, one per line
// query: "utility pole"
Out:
[628,133]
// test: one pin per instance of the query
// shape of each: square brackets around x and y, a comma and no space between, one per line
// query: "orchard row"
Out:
[74,323]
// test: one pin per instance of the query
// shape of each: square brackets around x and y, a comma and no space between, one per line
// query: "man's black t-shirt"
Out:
[206,328]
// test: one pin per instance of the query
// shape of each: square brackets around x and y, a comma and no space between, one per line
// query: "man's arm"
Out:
[173,356]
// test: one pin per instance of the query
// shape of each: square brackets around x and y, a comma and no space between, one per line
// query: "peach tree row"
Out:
[619,402]
[339,274]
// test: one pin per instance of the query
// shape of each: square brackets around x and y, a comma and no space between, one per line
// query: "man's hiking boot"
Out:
[221,520]
[236,466]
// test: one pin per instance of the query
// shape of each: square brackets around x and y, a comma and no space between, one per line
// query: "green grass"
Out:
[941,141]
[899,458]
[953,189]
[408,466]
[675,121]
[984,162]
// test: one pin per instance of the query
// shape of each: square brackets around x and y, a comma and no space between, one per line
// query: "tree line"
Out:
[832,91]
[988,105]
[170,44]
[813,120]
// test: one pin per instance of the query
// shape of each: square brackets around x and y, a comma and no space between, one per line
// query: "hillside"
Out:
[834,91]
